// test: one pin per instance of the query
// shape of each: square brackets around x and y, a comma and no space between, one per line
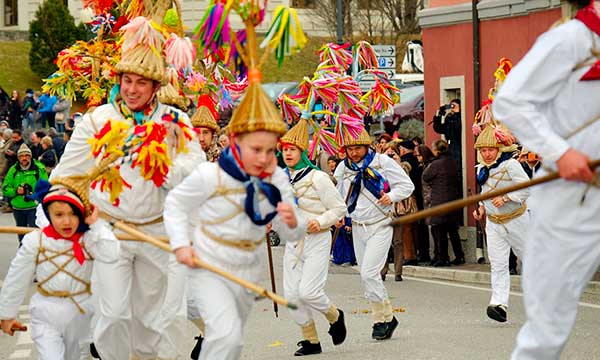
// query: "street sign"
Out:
[385,50]
[386,62]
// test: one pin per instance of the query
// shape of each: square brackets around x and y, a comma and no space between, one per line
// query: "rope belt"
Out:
[109,217]
[67,294]
[246,245]
[504,218]
[369,223]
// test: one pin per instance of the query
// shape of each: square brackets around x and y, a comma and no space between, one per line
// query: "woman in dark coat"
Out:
[15,118]
[440,177]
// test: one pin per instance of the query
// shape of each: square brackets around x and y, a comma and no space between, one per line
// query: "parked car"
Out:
[411,106]
[274,90]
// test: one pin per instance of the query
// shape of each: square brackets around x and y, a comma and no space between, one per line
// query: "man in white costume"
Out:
[306,262]
[507,216]
[372,182]
[551,102]
[132,290]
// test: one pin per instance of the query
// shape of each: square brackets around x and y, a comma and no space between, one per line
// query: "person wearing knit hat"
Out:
[156,146]
[18,185]
[507,216]
[371,182]
[205,125]
[553,107]
[306,262]
[207,205]
[60,257]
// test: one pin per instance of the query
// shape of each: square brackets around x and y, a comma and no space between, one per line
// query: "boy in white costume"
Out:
[238,196]
[60,257]
[372,182]
[551,102]
[507,216]
[132,290]
[306,263]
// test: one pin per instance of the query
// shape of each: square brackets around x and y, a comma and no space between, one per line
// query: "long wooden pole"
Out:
[461,203]
[20,230]
[201,264]
[272,273]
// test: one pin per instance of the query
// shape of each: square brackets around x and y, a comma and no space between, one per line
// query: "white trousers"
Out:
[305,274]
[371,246]
[131,293]
[562,253]
[58,329]
[224,307]
[173,315]
[500,239]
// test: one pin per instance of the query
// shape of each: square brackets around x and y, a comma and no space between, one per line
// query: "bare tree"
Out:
[402,15]
[326,11]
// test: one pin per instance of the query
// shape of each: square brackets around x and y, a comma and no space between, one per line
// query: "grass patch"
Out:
[296,67]
[15,73]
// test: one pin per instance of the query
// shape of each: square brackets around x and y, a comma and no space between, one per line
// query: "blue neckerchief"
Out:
[484,172]
[254,185]
[299,176]
[373,181]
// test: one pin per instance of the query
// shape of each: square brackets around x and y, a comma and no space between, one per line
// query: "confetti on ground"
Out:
[399,310]
[276,344]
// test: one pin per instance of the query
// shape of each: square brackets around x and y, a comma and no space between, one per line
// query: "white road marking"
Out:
[20,354]
[25,316]
[515,293]
[24,308]
[24,337]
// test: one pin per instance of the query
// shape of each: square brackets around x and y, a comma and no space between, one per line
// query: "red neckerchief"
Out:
[590,18]
[51,232]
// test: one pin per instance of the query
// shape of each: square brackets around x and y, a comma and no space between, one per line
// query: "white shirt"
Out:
[208,195]
[508,173]
[367,207]
[144,201]
[542,100]
[318,198]
[99,242]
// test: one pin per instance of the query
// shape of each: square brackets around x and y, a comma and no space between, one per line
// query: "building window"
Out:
[66,2]
[11,16]
[303,4]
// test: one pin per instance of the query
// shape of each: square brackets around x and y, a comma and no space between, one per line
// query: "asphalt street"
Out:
[438,320]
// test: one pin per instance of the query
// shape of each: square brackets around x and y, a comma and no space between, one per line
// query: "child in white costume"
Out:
[306,263]
[551,102]
[507,216]
[232,201]
[60,257]
[381,181]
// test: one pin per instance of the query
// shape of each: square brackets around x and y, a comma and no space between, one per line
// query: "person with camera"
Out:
[19,184]
[451,128]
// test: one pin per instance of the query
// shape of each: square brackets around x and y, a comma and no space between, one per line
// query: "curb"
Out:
[474,277]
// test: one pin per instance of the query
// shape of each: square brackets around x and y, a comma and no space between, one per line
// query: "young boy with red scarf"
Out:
[551,102]
[60,257]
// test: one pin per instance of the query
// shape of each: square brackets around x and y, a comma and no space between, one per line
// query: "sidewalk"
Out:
[476,274]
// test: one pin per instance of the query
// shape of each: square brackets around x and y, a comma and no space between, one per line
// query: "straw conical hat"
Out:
[298,135]
[205,115]
[487,138]
[363,139]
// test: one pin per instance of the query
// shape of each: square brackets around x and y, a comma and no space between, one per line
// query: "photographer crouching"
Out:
[19,184]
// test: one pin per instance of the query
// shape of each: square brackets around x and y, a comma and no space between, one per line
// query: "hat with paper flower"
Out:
[205,116]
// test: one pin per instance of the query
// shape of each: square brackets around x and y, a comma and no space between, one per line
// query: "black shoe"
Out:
[441,263]
[383,277]
[424,259]
[433,261]
[481,260]
[514,272]
[196,350]
[380,331]
[458,261]
[337,330]
[412,262]
[94,352]
[306,348]
[497,312]
[398,278]
[391,326]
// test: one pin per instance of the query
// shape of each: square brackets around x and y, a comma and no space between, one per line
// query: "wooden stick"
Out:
[272,273]
[20,230]
[201,264]
[461,203]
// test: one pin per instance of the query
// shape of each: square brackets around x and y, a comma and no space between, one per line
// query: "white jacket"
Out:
[99,242]
[144,201]
[508,173]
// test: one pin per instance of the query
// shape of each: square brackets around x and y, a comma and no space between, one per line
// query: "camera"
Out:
[447,106]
